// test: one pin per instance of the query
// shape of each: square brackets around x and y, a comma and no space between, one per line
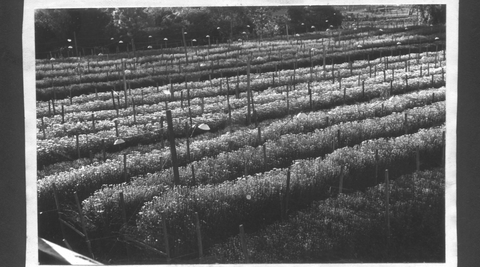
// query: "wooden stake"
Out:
[62,228]
[199,237]
[188,149]
[181,99]
[63,114]
[165,237]
[391,88]
[288,104]
[248,93]
[77,145]
[259,135]
[122,207]
[443,148]
[113,100]
[124,82]
[173,150]
[93,121]
[264,147]
[244,245]
[190,115]
[363,90]
[237,93]
[53,107]
[340,186]
[193,175]
[287,194]
[134,111]
[84,228]
[406,124]
[310,96]
[387,204]
[376,166]
[125,167]
[116,129]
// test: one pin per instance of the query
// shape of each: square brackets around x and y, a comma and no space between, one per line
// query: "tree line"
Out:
[116,29]
[119,29]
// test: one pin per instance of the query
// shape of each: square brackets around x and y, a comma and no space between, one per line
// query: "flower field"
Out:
[161,156]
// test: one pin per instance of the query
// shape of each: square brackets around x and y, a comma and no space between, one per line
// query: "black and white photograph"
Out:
[242,133]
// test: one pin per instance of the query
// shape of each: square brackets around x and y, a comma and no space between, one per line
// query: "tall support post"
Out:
[173,150]
[84,228]
[387,206]
[184,45]
[249,118]
[199,237]
[243,243]
[124,82]
[75,40]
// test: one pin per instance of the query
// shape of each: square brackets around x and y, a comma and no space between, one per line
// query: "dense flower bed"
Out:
[271,130]
[81,84]
[270,105]
[89,178]
[253,200]
[258,82]
[352,228]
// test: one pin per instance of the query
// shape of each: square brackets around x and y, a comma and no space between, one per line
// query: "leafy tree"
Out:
[431,14]
[128,22]
[264,21]
[52,27]
[319,16]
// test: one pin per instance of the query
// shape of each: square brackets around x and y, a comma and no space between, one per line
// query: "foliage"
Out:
[271,104]
[255,200]
[221,23]
[351,228]
[431,14]
[264,21]
[128,21]
[319,16]
[54,26]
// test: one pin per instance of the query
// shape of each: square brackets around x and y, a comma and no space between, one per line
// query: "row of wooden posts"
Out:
[335,144]
[250,102]
[123,64]
[168,111]
[51,104]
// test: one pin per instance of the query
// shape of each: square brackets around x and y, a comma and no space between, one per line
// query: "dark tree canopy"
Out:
[431,14]
[319,16]
[140,27]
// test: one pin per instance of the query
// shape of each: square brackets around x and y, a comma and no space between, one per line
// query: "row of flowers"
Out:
[258,81]
[104,210]
[255,199]
[81,121]
[44,68]
[90,177]
[87,83]
[271,130]
[54,149]
[352,226]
